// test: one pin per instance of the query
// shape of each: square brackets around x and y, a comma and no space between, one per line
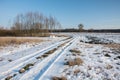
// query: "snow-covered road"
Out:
[14,66]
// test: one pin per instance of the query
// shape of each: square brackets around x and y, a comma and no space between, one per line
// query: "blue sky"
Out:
[97,14]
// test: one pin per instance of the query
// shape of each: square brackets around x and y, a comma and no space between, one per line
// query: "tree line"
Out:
[33,24]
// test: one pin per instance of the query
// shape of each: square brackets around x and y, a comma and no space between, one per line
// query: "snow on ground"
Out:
[111,36]
[15,60]
[16,51]
[100,61]
[6,50]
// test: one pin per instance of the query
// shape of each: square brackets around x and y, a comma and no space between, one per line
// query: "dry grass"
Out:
[71,63]
[26,67]
[4,41]
[9,77]
[55,78]
[74,51]
[47,54]
[109,66]
[59,78]
[113,46]
[76,61]
[76,71]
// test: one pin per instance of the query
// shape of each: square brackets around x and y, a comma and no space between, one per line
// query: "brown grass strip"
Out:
[4,41]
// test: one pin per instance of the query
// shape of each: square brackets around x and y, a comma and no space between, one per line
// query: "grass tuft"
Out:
[76,61]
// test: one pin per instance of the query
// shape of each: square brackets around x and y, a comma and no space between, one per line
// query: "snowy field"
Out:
[81,56]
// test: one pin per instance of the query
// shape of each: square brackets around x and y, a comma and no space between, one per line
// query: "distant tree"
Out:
[81,26]
[34,22]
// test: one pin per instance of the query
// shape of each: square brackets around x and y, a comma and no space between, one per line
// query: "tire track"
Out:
[41,68]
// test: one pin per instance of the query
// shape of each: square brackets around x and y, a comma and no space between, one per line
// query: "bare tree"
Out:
[81,26]
[32,23]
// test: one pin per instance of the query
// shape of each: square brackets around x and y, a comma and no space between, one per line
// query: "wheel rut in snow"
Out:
[44,70]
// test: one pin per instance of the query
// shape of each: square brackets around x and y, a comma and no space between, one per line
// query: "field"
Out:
[74,56]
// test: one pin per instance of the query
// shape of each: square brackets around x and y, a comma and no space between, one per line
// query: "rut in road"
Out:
[56,58]
[41,68]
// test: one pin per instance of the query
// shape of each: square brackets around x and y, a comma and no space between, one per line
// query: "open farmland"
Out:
[75,56]
[60,40]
